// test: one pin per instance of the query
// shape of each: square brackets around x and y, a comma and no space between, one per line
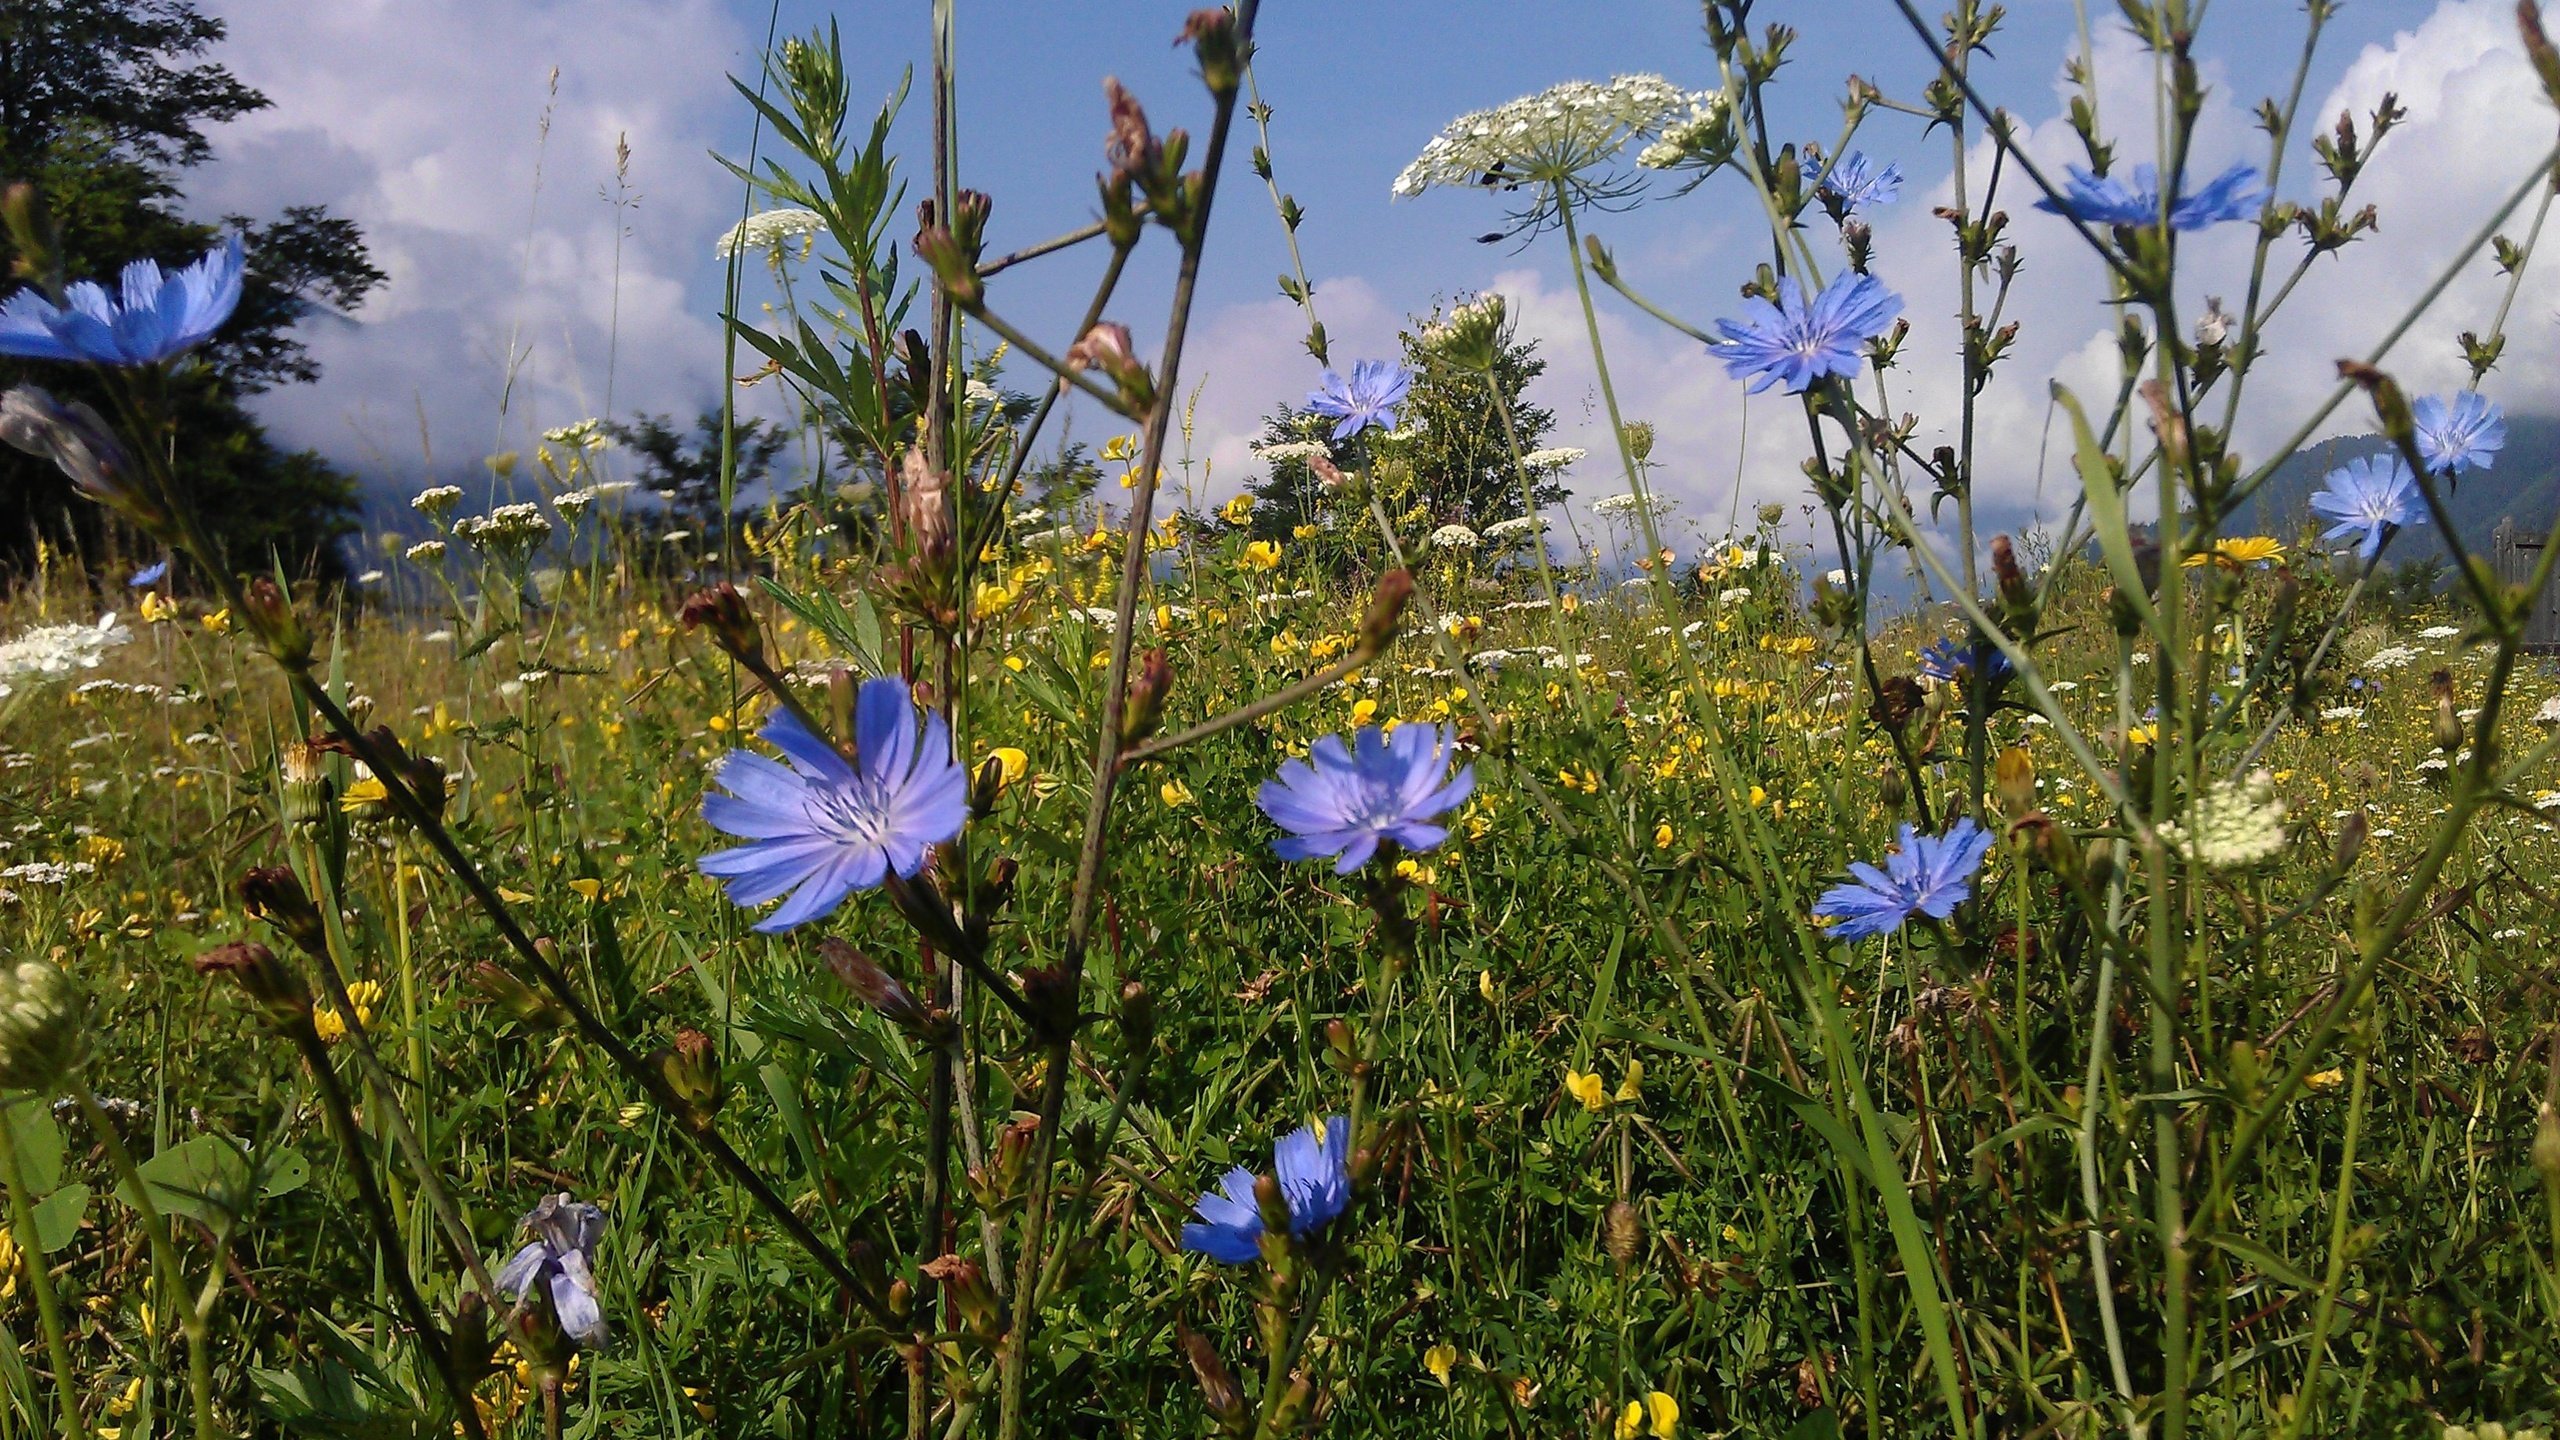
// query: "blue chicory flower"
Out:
[158,317]
[2092,200]
[2463,433]
[1345,799]
[1795,343]
[2367,499]
[1314,1171]
[1855,184]
[149,575]
[559,1257]
[821,826]
[1371,396]
[1925,875]
[1946,660]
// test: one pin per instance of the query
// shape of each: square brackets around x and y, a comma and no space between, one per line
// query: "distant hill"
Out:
[2525,485]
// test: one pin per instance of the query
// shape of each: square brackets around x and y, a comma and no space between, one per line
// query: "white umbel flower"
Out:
[1455,537]
[1550,136]
[768,232]
[1516,527]
[1554,457]
[2235,824]
[1615,506]
[508,530]
[49,651]
[1282,451]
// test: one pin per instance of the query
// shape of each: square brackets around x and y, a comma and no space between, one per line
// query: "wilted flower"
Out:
[559,1256]
[2236,823]
[1925,875]
[1313,1169]
[1795,343]
[822,827]
[157,316]
[768,232]
[1370,396]
[75,439]
[1347,798]
[2460,434]
[2110,201]
[2366,499]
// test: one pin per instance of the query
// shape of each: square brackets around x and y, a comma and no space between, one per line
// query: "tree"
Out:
[103,105]
[1451,451]
[686,473]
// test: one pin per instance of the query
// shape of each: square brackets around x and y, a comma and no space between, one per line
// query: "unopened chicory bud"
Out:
[269,983]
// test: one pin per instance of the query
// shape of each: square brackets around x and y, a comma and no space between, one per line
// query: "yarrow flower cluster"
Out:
[1554,457]
[1455,537]
[2234,824]
[509,530]
[1796,342]
[821,826]
[587,434]
[1349,797]
[1368,397]
[2461,434]
[2366,499]
[1548,137]
[768,232]
[1313,1168]
[1925,875]
[153,317]
[436,501]
[50,651]
[2093,200]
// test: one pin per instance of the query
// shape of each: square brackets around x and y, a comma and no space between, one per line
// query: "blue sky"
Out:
[515,277]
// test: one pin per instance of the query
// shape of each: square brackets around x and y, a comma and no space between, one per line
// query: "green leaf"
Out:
[212,1180]
[38,1141]
[2264,1260]
[2106,511]
[58,1217]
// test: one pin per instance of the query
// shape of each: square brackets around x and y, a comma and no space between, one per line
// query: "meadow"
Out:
[1343,962]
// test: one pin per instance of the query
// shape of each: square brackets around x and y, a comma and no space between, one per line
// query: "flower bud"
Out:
[1144,711]
[2013,780]
[521,1002]
[952,248]
[965,1281]
[1217,1384]
[691,1068]
[1131,150]
[1212,34]
[924,506]
[1639,437]
[1107,348]
[986,786]
[273,894]
[303,775]
[270,613]
[269,983]
[2546,1144]
[2448,723]
[1386,609]
[1624,1228]
[81,446]
[725,613]
[42,1013]
[1050,993]
[1274,1205]
[876,987]
[1137,1019]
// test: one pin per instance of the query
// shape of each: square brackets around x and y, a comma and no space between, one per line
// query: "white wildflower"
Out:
[587,434]
[54,650]
[2440,632]
[1704,135]
[573,503]
[2234,824]
[1554,457]
[1734,596]
[769,231]
[2391,657]
[1280,452]
[1516,527]
[2549,714]
[1614,506]
[436,501]
[508,530]
[1454,537]
[1550,136]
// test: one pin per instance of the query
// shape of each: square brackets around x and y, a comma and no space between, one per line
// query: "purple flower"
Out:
[821,827]
[158,317]
[1314,1171]
[1795,343]
[1856,184]
[1946,661]
[1372,395]
[2368,498]
[2463,433]
[560,1258]
[149,575]
[2231,195]
[1344,803]
[1925,875]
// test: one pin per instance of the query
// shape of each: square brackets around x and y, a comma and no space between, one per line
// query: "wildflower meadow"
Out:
[978,936]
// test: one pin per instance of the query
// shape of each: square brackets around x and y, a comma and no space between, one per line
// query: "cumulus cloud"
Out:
[503,301]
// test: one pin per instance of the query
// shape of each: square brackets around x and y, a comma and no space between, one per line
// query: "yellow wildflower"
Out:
[333,1026]
[1363,710]
[1440,1359]
[1591,1090]
[219,622]
[1237,511]
[1174,794]
[1262,555]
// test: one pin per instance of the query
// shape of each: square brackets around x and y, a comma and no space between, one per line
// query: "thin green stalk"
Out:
[2307,1398]
[22,1220]
[164,1257]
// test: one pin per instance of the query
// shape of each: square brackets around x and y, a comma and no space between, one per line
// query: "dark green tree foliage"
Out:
[684,471]
[1456,457]
[103,105]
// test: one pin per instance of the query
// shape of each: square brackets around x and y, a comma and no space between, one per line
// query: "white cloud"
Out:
[423,123]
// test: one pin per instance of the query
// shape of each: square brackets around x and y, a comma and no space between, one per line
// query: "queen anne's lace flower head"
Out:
[1560,136]
[2236,823]
[768,232]
[50,651]
[1702,140]
[1455,537]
